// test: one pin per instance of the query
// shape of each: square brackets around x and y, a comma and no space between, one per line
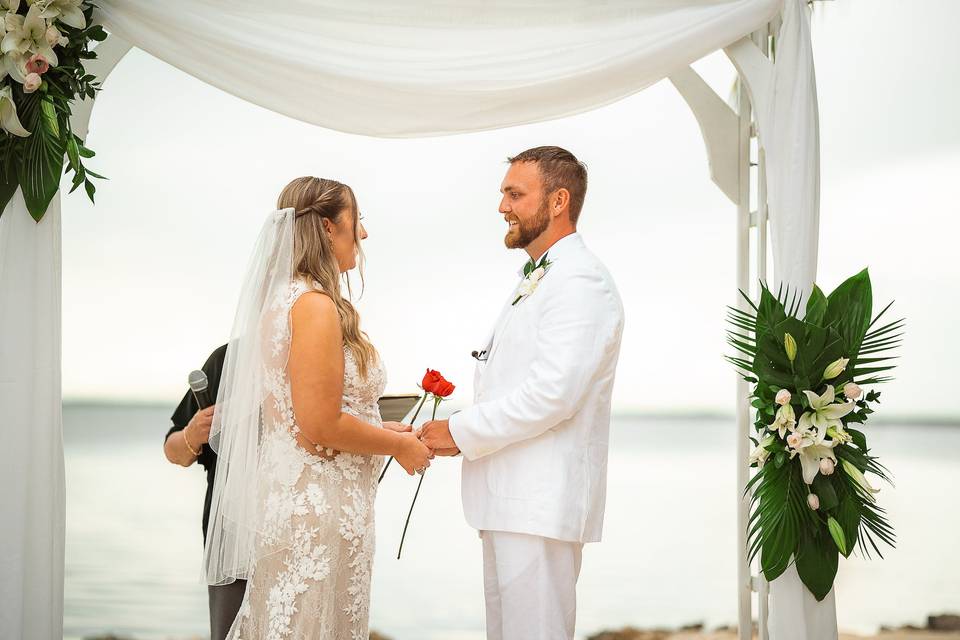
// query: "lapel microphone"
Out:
[479,355]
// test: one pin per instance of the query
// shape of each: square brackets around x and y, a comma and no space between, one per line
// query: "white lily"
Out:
[10,5]
[760,453]
[785,420]
[66,11]
[8,114]
[824,413]
[811,447]
[14,65]
[28,35]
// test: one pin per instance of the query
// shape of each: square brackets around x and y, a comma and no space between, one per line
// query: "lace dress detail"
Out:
[315,541]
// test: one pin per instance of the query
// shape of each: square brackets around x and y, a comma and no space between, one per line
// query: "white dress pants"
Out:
[530,585]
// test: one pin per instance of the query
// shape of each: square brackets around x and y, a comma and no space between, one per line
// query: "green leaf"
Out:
[859,439]
[816,307]
[849,309]
[825,491]
[42,156]
[817,562]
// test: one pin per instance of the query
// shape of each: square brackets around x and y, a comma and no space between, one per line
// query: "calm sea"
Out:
[134,546]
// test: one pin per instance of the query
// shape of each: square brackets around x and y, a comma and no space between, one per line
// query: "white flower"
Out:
[527,287]
[785,420]
[852,390]
[760,453]
[783,397]
[835,368]
[28,35]
[536,274]
[813,501]
[827,466]
[32,82]
[54,37]
[8,114]
[9,5]
[824,413]
[66,11]
[811,445]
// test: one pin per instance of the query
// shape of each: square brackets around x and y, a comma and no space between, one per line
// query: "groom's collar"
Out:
[560,248]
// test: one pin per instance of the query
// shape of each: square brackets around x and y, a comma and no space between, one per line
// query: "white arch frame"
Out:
[728,136]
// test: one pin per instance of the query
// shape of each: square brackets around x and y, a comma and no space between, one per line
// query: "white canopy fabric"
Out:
[390,68]
[405,68]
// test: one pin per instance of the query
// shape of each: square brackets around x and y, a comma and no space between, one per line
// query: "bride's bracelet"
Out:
[196,454]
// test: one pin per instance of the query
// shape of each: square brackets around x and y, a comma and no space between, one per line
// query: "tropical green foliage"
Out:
[811,500]
[36,139]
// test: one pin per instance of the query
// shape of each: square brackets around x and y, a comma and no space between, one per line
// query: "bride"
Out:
[298,430]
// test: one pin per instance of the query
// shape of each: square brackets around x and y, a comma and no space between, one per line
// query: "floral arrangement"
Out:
[811,498]
[44,45]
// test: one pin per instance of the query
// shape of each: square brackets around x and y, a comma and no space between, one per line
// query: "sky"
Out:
[152,272]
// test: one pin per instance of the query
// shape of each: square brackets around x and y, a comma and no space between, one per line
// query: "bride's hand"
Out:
[397,426]
[412,454]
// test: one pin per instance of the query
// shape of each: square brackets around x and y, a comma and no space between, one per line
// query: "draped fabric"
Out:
[390,68]
[32,499]
[401,68]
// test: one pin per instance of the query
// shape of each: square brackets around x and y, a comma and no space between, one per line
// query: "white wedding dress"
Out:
[315,543]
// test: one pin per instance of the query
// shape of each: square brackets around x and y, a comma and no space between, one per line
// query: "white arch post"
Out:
[729,137]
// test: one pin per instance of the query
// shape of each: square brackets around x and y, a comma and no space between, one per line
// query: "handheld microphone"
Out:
[199,386]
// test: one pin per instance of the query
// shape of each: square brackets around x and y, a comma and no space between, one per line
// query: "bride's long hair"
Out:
[314,260]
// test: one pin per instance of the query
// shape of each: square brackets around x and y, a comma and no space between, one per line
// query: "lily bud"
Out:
[813,501]
[790,346]
[783,397]
[836,532]
[835,368]
[859,478]
[852,390]
[826,466]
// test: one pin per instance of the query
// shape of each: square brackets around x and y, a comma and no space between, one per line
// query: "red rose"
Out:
[430,380]
[435,383]
[443,388]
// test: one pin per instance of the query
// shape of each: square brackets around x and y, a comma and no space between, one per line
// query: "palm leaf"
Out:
[43,153]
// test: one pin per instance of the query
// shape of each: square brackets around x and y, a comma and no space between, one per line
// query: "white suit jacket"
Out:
[535,441]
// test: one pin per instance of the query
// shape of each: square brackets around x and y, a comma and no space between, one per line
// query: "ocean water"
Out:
[134,547]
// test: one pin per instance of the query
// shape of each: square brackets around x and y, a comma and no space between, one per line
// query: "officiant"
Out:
[186,444]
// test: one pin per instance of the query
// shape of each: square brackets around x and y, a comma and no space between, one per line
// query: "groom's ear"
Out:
[560,200]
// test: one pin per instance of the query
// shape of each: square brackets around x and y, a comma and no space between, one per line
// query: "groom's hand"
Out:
[436,435]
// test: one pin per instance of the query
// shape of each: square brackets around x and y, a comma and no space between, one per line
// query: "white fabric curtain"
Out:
[31,476]
[400,68]
[391,68]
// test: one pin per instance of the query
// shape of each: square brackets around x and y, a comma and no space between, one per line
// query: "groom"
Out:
[535,441]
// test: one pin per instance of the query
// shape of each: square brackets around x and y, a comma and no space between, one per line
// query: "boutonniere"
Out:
[532,275]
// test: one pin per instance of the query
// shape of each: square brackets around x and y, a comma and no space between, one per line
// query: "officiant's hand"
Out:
[436,435]
[198,429]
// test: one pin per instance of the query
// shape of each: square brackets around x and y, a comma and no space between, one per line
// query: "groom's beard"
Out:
[526,231]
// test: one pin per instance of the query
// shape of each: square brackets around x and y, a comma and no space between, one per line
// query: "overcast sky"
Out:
[151,272]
